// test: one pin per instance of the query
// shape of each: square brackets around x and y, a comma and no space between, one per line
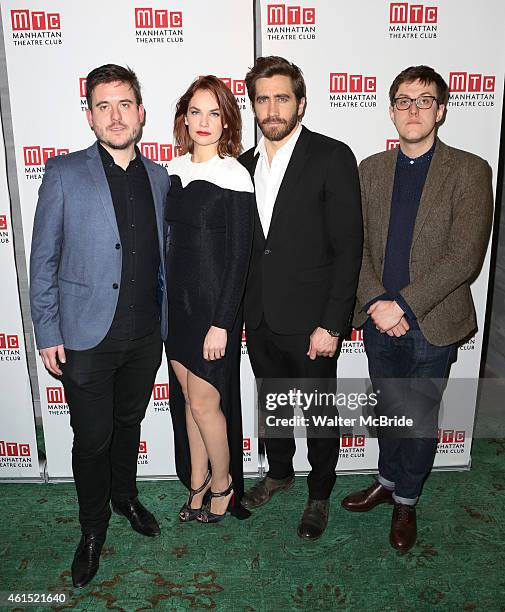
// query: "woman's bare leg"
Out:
[204,402]
[198,452]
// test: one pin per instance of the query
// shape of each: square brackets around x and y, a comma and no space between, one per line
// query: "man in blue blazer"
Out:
[98,303]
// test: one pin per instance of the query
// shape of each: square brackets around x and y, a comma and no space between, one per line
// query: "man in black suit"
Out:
[304,269]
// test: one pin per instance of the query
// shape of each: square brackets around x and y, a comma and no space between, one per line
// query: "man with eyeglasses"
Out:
[427,211]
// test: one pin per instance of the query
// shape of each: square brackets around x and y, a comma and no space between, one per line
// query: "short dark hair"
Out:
[230,143]
[109,73]
[426,75]
[265,67]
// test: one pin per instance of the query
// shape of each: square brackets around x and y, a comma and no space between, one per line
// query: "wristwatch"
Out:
[333,334]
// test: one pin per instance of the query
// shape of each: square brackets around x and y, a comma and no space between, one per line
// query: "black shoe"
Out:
[187,513]
[314,519]
[235,508]
[140,518]
[206,515]
[86,558]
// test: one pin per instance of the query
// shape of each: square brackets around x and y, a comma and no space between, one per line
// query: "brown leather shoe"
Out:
[403,532]
[314,519]
[263,491]
[363,501]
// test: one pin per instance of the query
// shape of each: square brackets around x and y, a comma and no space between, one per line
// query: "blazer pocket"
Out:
[73,288]
[458,305]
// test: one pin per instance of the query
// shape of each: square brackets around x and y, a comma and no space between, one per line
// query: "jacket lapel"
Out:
[437,175]
[157,199]
[97,172]
[258,226]
[250,165]
[292,175]
[250,162]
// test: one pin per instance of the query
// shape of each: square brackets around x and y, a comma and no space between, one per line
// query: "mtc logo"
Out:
[37,156]
[160,392]
[401,12]
[392,143]
[157,18]
[8,341]
[450,436]
[3,222]
[246,444]
[82,87]
[159,152]
[280,14]
[35,20]
[464,81]
[142,447]
[352,441]
[237,86]
[342,82]
[14,449]
[356,335]
[55,395]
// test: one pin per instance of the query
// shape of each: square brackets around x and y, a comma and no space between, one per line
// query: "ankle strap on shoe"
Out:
[222,493]
[202,487]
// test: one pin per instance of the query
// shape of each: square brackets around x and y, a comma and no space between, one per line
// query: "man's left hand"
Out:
[385,314]
[321,344]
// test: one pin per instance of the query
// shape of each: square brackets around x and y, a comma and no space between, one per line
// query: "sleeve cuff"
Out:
[222,325]
[398,298]
[384,296]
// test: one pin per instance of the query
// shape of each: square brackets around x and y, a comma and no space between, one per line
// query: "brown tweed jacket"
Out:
[449,242]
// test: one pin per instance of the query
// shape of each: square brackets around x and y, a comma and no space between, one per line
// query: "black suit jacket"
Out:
[304,274]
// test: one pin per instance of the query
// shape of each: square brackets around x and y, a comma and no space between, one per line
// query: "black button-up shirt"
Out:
[137,312]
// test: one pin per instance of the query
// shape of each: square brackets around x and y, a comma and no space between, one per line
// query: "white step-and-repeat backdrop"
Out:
[349,53]
[18,447]
[50,49]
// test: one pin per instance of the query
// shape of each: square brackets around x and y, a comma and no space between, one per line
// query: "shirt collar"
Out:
[425,158]
[109,160]
[286,149]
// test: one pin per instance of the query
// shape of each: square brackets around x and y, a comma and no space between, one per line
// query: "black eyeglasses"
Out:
[423,102]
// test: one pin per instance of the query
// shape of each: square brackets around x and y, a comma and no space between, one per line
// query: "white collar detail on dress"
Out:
[224,172]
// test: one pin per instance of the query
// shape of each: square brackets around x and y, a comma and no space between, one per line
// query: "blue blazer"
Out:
[75,267]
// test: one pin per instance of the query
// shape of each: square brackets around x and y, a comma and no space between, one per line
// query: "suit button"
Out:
[115,285]
[118,246]
[267,251]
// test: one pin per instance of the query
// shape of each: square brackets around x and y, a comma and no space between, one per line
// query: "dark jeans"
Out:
[418,371]
[276,356]
[108,389]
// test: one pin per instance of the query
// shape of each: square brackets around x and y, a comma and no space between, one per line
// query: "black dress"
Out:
[210,219]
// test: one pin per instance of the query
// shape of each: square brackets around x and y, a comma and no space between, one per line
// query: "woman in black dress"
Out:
[209,216]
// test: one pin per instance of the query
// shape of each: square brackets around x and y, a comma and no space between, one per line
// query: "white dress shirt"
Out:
[268,178]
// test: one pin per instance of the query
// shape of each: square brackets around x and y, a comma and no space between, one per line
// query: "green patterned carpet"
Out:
[260,564]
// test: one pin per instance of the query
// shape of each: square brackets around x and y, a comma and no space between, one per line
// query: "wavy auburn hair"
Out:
[230,143]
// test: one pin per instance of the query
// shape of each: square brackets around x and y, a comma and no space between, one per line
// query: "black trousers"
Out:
[108,389]
[278,356]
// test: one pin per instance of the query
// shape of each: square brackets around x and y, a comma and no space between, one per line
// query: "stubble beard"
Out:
[277,132]
[118,146]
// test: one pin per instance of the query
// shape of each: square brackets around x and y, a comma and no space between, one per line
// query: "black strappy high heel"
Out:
[187,513]
[235,508]
[206,515]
